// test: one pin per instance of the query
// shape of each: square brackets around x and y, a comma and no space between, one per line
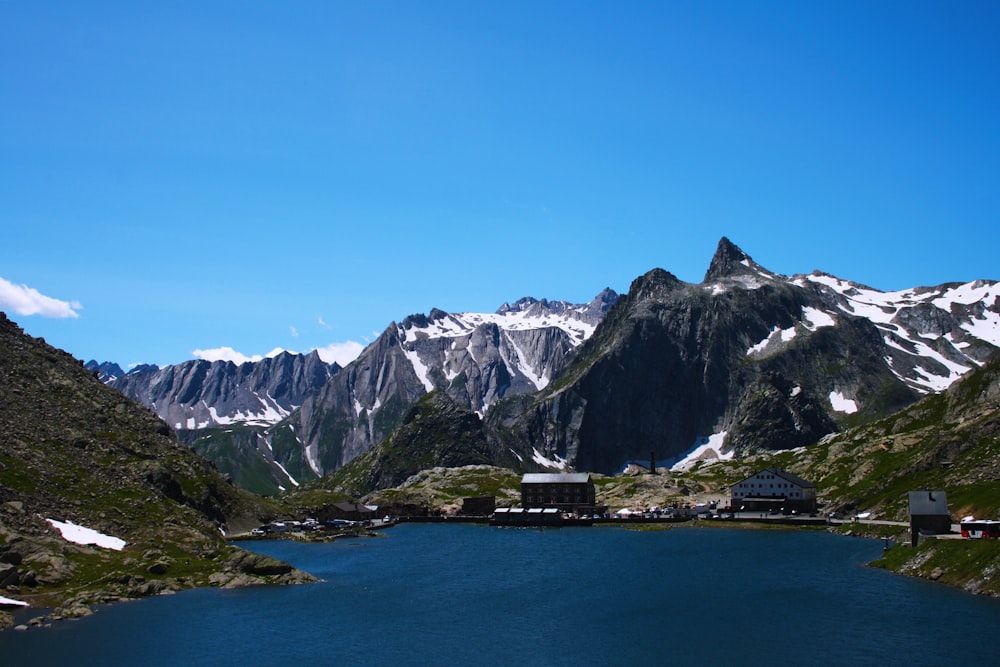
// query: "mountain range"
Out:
[745,361]
[272,423]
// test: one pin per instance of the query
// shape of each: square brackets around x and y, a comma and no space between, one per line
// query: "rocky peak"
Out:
[520,305]
[422,321]
[653,283]
[730,261]
[601,303]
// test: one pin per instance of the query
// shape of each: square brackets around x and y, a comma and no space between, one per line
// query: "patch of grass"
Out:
[17,475]
[970,564]
[981,499]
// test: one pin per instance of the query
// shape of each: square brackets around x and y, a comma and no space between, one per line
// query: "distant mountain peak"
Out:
[106,371]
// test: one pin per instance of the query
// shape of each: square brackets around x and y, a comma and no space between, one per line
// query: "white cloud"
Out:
[25,300]
[225,354]
[342,353]
[294,332]
[322,323]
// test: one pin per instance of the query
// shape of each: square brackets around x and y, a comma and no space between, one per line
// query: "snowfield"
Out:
[8,602]
[843,404]
[974,305]
[82,535]
[708,449]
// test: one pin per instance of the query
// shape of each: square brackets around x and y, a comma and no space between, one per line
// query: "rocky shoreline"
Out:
[236,568]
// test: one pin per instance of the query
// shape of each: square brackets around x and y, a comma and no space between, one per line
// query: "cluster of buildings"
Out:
[561,498]
[570,499]
[553,498]
[335,517]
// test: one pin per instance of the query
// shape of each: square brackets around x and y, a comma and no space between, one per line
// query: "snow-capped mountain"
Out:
[476,358]
[514,350]
[933,335]
[226,411]
[748,360]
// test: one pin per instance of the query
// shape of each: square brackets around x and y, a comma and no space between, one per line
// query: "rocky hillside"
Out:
[76,453]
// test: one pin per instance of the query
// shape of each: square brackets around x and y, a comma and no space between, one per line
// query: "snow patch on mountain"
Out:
[270,413]
[77,534]
[462,324]
[542,460]
[814,319]
[313,460]
[519,362]
[776,337]
[843,404]
[705,449]
[419,367]
[286,473]
[944,315]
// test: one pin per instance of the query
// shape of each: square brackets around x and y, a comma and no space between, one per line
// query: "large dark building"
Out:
[571,492]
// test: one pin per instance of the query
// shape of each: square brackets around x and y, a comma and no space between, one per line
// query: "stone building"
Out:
[929,514]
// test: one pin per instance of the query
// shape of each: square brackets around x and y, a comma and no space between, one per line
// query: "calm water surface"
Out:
[474,595]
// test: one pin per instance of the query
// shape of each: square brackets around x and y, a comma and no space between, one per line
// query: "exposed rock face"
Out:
[202,394]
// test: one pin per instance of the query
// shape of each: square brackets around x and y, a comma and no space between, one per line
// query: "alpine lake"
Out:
[446,594]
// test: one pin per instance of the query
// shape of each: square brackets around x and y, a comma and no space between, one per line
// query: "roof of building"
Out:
[785,475]
[924,503]
[555,478]
[354,507]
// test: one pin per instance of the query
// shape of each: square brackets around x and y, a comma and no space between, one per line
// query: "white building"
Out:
[773,489]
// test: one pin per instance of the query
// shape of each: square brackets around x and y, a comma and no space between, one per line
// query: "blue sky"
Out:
[183,177]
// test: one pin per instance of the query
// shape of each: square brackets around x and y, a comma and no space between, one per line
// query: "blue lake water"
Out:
[475,595]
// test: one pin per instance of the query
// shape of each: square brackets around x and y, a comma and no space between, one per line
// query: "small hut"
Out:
[929,514]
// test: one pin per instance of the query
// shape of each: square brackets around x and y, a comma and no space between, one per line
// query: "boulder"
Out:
[8,575]
[159,567]
[257,564]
